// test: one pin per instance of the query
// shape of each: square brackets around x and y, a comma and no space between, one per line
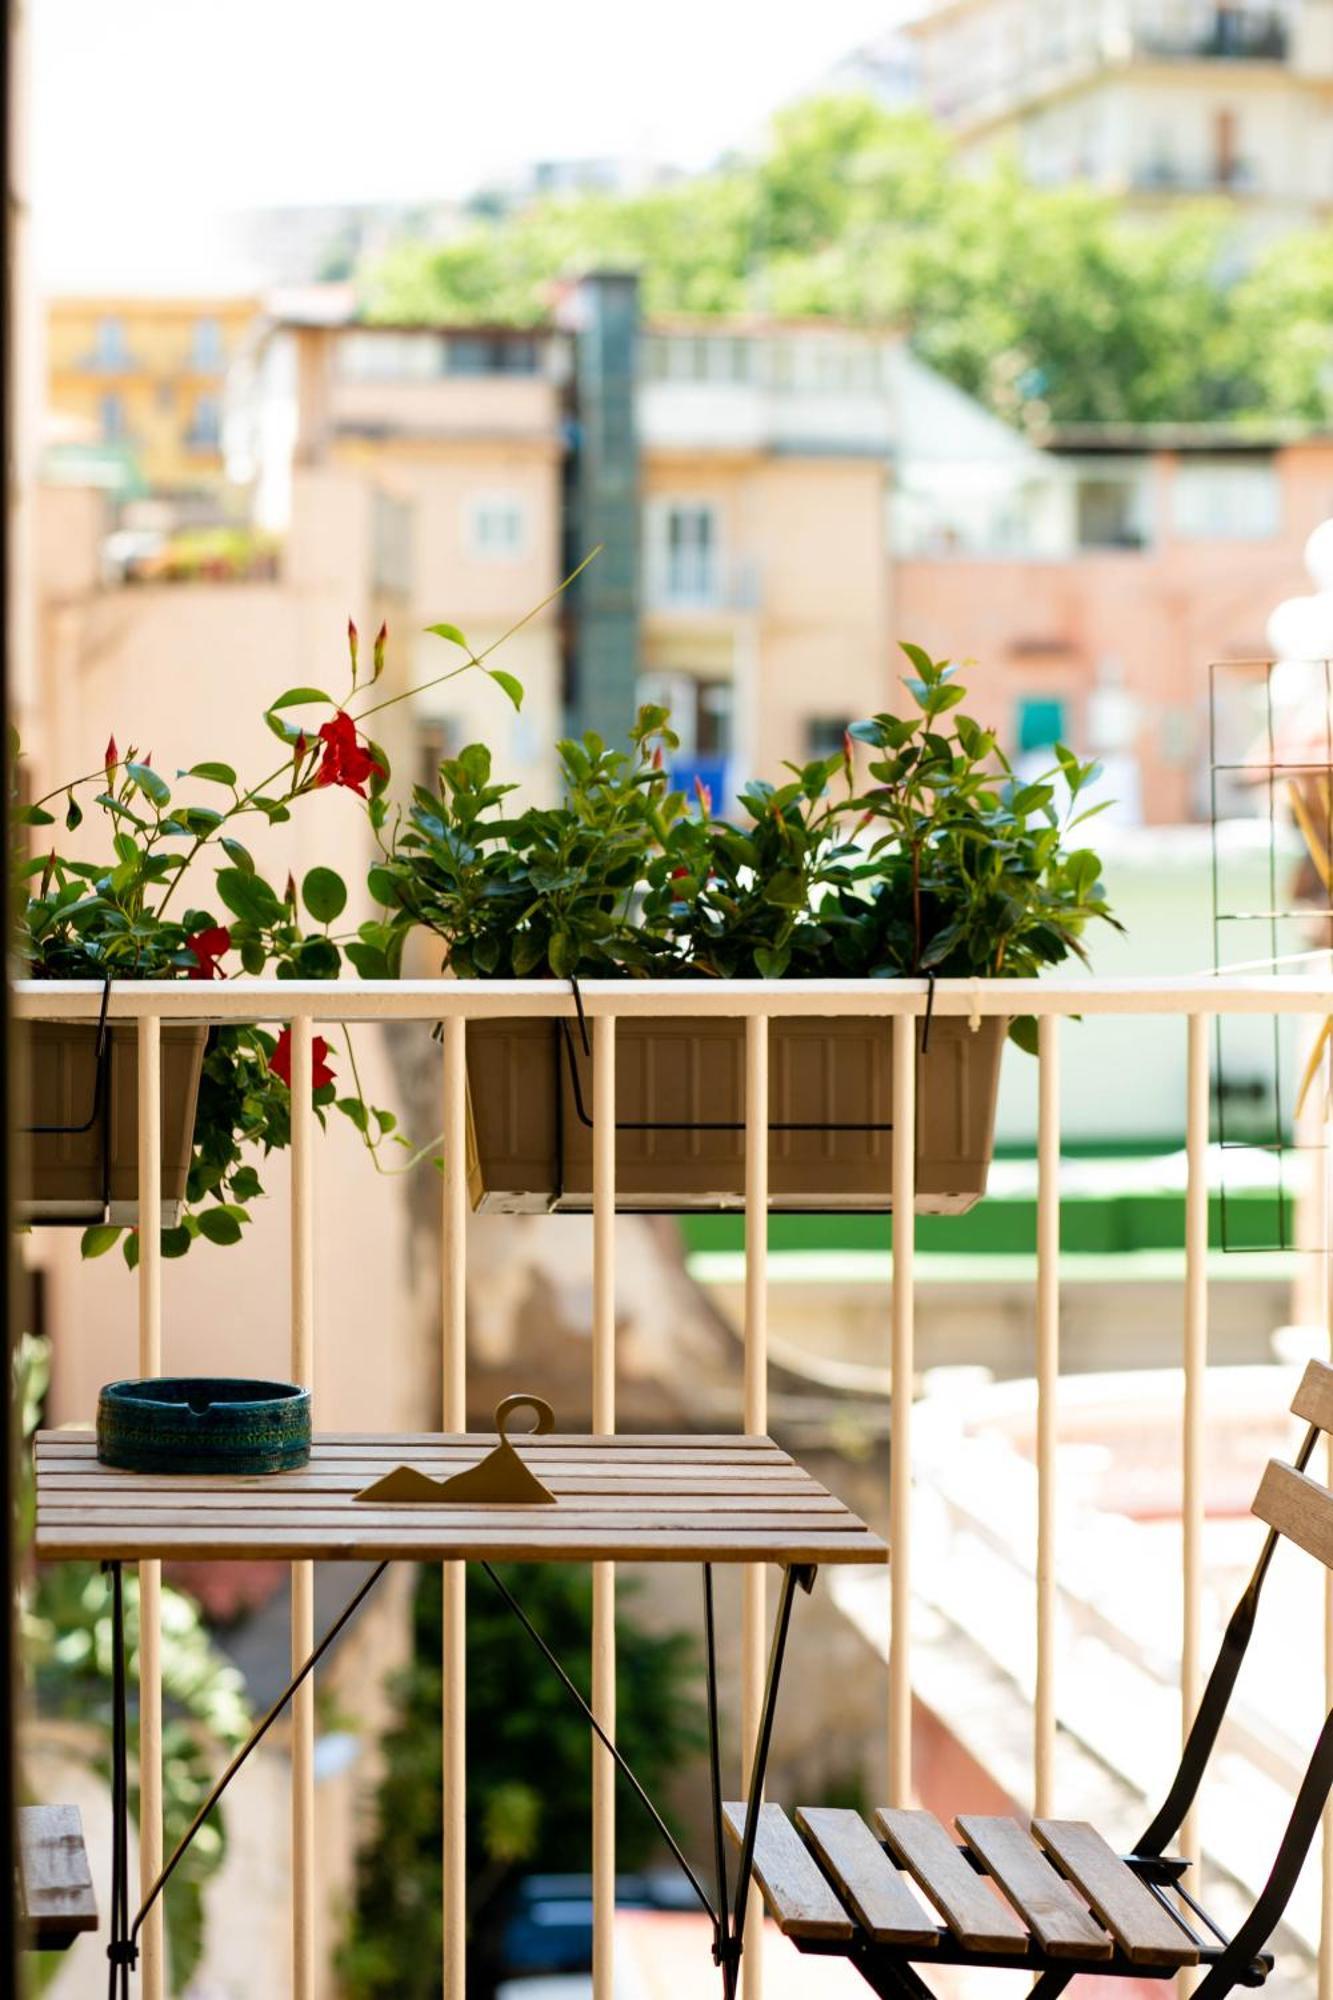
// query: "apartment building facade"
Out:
[144,378]
[1098,585]
[1157,100]
[734,477]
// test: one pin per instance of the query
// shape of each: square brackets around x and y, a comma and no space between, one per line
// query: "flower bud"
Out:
[381,640]
[111,757]
[352,644]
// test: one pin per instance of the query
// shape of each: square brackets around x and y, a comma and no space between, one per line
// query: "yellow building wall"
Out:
[146,363]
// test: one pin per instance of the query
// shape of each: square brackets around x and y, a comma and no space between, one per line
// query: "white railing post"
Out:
[453,1582]
[604,1573]
[1048,1388]
[303,1573]
[150,1573]
[902,1372]
[1325,1243]
[754,1597]
[1195,1366]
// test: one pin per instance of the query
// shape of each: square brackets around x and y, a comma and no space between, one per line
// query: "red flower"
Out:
[345,761]
[208,947]
[280,1062]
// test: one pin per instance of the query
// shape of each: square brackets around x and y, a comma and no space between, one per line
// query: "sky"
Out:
[151,119]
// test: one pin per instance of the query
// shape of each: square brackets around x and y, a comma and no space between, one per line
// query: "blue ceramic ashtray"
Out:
[203,1423]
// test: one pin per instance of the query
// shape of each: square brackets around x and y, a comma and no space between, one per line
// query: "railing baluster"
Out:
[150,1573]
[1196,1364]
[1048,1389]
[903,1366]
[453,1417]
[604,1574]
[754,1598]
[1324,1241]
[303,1573]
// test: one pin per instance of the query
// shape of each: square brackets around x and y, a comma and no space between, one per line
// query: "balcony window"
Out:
[702,712]
[485,354]
[1218,33]
[825,735]
[497,526]
[109,349]
[205,433]
[390,357]
[1113,509]
[206,347]
[111,412]
[686,554]
[1219,501]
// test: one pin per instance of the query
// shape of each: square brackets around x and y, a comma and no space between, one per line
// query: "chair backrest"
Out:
[1289,1500]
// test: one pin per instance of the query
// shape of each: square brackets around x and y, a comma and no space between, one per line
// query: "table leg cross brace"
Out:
[728,1925]
[123,1948]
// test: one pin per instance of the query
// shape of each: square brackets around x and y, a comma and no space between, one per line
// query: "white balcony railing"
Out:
[900,1004]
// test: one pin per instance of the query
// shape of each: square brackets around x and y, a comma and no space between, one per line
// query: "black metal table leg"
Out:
[120,1952]
[723,1945]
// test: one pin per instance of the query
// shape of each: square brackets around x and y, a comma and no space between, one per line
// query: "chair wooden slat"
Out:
[799,1898]
[867,1881]
[1298,1507]
[1314,1398]
[55,1884]
[1057,1919]
[1146,1932]
[973,1913]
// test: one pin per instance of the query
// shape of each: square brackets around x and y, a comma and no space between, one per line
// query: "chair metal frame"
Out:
[1226,1962]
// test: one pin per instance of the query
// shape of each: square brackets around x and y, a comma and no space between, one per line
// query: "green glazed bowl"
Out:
[203,1423]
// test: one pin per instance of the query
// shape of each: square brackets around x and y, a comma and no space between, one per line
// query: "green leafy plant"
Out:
[938,858]
[65,1614]
[552,890]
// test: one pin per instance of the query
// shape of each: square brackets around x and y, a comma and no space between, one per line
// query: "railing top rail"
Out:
[549,999]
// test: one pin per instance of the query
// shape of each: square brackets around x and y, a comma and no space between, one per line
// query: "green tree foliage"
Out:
[1052,305]
[529,1771]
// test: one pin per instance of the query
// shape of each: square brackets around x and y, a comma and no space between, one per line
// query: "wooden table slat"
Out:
[630,1500]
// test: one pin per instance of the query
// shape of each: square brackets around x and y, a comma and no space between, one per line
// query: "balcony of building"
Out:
[1065,1523]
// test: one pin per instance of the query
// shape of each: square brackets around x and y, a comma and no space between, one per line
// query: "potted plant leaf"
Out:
[938,860]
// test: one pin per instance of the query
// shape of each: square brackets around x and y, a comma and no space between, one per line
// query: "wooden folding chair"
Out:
[1068,1903]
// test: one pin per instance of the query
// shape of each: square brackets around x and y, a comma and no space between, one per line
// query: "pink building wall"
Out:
[1156,617]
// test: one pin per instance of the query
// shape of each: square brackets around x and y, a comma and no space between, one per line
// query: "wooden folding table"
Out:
[714,1499]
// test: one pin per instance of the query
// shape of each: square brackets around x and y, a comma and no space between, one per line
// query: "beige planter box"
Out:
[65,1175]
[830,1113]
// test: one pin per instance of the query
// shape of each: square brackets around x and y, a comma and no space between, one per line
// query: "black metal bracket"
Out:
[690,1124]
